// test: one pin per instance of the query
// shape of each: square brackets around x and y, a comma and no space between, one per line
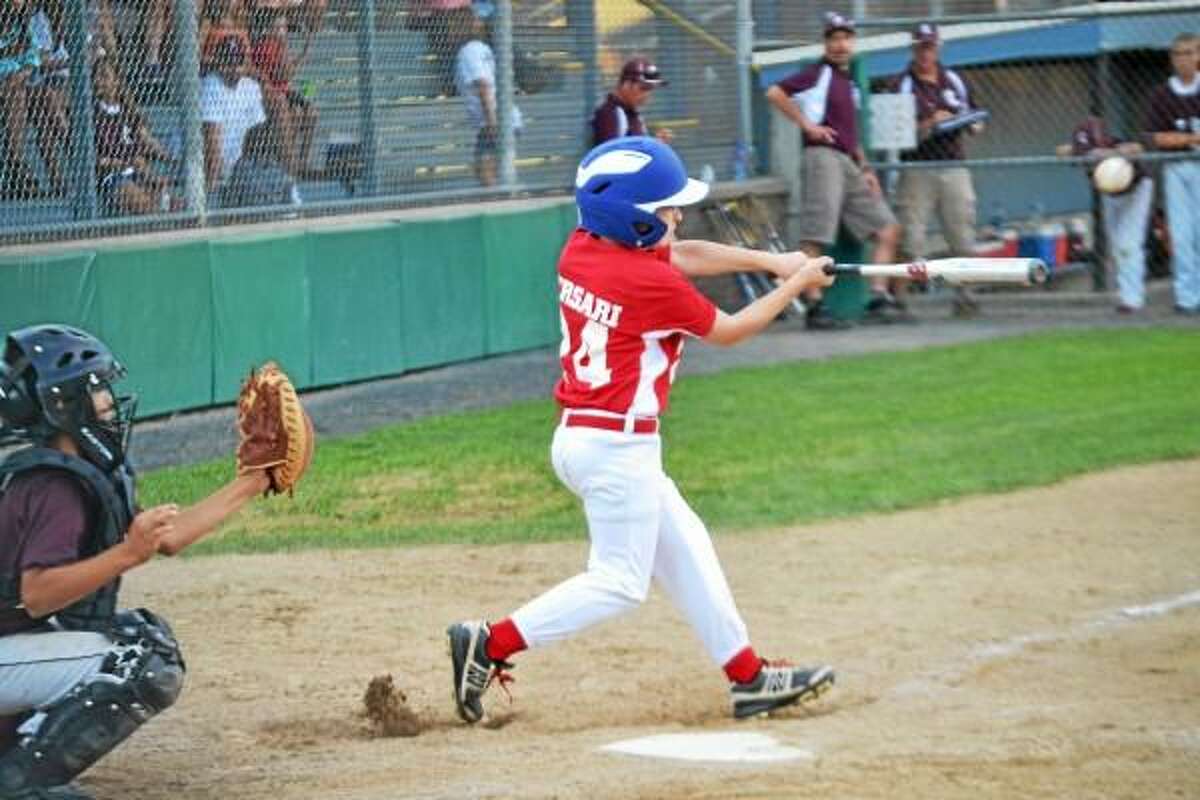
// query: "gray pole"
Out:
[83,140]
[503,41]
[745,59]
[581,18]
[187,94]
[368,135]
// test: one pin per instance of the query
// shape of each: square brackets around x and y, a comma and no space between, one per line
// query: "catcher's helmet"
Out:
[48,375]
[622,182]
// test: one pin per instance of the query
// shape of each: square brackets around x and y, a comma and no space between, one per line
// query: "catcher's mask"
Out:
[58,379]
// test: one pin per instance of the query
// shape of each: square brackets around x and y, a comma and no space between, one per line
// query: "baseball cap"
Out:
[926,33]
[483,9]
[643,71]
[838,22]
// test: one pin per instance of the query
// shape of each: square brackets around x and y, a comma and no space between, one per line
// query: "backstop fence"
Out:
[137,115]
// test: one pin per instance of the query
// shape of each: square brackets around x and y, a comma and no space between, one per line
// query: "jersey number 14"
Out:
[590,359]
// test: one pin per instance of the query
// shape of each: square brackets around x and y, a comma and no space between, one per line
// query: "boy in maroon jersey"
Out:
[626,303]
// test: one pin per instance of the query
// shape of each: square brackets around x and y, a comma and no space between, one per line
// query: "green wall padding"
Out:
[355,277]
[190,319]
[443,306]
[156,314]
[260,302]
[520,279]
[40,289]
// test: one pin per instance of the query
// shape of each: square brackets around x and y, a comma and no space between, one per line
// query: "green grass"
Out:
[757,447]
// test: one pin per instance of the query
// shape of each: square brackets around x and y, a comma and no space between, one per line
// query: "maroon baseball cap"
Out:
[644,72]
[926,33]
[838,22]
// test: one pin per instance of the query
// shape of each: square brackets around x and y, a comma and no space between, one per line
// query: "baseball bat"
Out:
[1018,271]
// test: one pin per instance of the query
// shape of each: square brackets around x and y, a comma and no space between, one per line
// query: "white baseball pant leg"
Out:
[640,528]
[1183,218]
[1125,218]
[37,669]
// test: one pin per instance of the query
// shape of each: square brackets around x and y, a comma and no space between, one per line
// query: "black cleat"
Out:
[473,670]
[779,684]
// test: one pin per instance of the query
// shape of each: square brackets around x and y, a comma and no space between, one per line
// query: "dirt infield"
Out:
[1043,643]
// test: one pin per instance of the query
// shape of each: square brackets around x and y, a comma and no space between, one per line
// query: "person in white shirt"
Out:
[230,105]
[475,80]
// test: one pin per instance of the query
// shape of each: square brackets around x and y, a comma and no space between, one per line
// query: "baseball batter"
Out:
[626,306]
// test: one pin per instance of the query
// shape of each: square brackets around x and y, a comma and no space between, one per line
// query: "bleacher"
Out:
[425,143]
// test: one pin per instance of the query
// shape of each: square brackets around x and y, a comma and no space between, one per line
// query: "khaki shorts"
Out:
[949,192]
[835,191]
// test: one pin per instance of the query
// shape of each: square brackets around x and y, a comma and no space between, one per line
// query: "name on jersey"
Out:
[595,308]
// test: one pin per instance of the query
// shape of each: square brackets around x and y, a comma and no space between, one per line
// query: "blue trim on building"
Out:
[1070,39]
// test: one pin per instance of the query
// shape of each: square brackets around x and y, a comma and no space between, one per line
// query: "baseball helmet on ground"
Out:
[48,375]
[622,182]
[1113,175]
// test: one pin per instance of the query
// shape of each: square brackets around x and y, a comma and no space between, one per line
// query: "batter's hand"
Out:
[785,265]
[814,271]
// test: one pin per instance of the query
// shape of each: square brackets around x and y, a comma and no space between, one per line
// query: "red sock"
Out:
[743,667]
[504,640]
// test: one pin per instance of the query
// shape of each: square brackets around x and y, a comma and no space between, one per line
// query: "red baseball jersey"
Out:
[624,315]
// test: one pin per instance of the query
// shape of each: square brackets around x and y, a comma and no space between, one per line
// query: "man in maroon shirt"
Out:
[838,186]
[940,94]
[620,113]
[78,676]
[1173,123]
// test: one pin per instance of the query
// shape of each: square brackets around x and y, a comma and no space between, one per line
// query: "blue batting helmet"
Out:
[622,182]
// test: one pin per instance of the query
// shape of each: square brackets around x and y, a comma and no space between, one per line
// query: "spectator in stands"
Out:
[292,115]
[941,94]
[258,178]
[475,78]
[230,105]
[126,180]
[46,85]
[222,19]
[19,57]
[620,113]
[1126,215]
[156,27]
[838,187]
[1173,123]
[439,20]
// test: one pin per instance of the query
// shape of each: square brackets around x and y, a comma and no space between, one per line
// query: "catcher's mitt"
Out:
[274,431]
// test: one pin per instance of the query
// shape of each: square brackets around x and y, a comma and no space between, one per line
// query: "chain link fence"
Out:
[137,115]
[1061,83]
[190,113]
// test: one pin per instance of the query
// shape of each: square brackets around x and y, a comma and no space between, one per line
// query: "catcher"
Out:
[77,675]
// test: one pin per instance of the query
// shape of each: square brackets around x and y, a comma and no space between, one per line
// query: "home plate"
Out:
[725,747]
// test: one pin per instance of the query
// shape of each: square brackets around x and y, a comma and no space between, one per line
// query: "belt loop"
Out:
[630,423]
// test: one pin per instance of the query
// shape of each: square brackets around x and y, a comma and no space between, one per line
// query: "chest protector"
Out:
[111,512]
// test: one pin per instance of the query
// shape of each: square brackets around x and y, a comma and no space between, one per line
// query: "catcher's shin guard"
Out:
[778,685]
[141,676]
[474,671]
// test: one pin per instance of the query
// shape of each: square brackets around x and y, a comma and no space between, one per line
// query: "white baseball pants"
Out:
[37,669]
[1126,217]
[640,528]
[1182,179]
